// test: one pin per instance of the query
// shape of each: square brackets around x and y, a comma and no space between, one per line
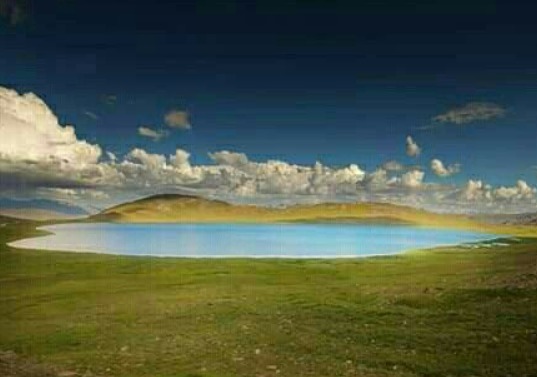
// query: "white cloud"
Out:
[520,191]
[275,177]
[477,191]
[29,131]
[177,119]
[154,162]
[155,135]
[229,158]
[471,112]
[181,159]
[377,180]
[412,148]
[40,157]
[141,169]
[412,179]
[35,150]
[325,180]
[441,170]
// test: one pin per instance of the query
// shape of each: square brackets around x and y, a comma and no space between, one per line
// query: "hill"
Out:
[184,208]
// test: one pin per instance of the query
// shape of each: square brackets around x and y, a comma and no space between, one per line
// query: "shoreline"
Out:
[18,244]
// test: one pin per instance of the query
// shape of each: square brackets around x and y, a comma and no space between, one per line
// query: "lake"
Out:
[245,240]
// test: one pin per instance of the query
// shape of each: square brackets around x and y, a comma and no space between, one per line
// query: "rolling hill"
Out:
[184,208]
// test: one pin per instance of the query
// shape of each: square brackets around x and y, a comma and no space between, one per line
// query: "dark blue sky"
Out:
[299,81]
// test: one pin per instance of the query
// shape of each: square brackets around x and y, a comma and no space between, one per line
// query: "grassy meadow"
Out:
[448,312]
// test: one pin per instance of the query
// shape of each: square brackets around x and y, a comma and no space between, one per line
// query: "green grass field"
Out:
[448,312]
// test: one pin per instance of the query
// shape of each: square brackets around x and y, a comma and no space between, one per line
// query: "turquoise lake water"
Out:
[245,240]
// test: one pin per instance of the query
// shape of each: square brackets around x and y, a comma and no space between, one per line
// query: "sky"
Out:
[274,102]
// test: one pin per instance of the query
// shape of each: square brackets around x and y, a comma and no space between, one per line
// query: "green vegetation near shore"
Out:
[449,312]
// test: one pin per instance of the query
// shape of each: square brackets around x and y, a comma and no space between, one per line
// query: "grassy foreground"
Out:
[447,312]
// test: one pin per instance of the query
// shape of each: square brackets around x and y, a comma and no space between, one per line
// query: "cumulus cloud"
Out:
[412,179]
[40,156]
[441,170]
[154,162]
[275,177]
[229,158]
[412,148]
[178,119]
[155,135]
[376,180]
[36,150]
[29,131]
[520,191]
[471,112]
[180,159]
[476,191]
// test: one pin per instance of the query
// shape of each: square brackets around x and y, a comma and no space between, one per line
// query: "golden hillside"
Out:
[182,208]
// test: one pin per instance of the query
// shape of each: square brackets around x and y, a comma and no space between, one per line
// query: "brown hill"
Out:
[185,208]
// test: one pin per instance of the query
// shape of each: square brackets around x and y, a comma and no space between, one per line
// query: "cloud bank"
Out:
[41,158]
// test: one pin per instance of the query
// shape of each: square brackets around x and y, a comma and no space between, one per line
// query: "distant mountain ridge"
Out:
[509,219]
[39,209]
